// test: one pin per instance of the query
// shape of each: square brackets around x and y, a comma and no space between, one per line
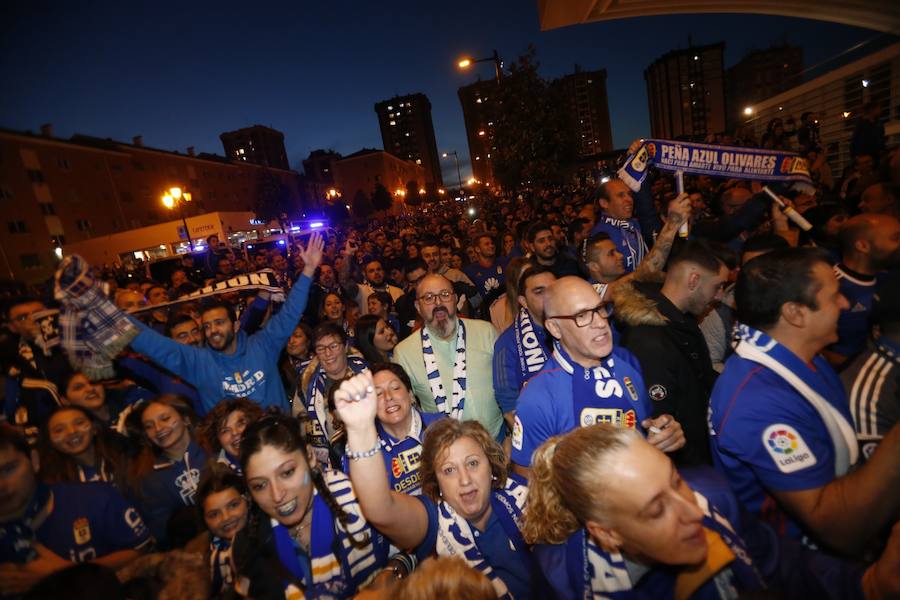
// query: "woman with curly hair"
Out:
[306,536]
[220,431]
[468,507]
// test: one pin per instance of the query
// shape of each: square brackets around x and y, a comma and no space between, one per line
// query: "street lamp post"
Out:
[175,196]
[465,63]
[456,158]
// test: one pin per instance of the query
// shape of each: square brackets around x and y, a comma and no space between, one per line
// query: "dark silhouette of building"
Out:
[585,95]
[408,133]
[259,145]
[477,101]
[762,74]
[686,93]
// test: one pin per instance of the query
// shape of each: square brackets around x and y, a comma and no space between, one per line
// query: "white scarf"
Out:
[458,400]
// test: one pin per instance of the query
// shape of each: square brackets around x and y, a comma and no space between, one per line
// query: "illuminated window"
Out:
[393,122]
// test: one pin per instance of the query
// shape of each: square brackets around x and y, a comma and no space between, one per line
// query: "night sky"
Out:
[180,74]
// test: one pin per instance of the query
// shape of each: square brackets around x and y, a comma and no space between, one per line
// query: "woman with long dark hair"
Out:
[306,536]
[166,471]
[375,338]
[76,446]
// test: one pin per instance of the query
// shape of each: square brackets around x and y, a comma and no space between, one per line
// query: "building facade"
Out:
[759,75]
[258,144]
[407,132]
[478,104]
[837,99]
[58,191]
[363,170]
[585,95]
[686,93]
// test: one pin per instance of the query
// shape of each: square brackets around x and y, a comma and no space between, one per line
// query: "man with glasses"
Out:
[449,360]
[585,381]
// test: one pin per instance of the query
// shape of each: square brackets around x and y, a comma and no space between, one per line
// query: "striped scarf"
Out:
[458,400]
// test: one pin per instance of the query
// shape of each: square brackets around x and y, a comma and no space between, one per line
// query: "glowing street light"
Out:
[466,62]
[748,110]
[175,196]
[421,191]
[471,181]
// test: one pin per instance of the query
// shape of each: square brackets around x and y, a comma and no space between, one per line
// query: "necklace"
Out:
[297,529]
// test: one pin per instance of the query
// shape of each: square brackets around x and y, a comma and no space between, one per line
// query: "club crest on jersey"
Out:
[81,531]
[610,416]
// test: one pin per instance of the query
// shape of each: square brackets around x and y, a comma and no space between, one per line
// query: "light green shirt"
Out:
[480,404]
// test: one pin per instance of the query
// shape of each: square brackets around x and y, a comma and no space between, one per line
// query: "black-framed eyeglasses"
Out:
[583,318]
[332,347]
[431,298]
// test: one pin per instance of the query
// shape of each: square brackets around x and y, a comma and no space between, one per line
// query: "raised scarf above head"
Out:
[811,384]
[605,574]
[455,536]
[18,538]
[333,575]
[529,345]
[455,406]
[599,395]
[316,405]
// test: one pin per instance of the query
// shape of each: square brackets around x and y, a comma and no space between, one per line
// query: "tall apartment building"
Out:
[478,106]
[761,74]
[259,145]
[585,95]
[686,93]
[55,191]
[407,132]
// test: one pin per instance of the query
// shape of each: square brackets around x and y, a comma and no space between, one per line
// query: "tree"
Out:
[412,193]
[272,199]
[533,133]
[361,206]
[381,198]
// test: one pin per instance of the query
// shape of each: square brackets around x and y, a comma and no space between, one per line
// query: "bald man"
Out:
[586,380]
[869,243]
[450,360]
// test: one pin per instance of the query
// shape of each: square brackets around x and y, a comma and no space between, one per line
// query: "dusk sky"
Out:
[181,73]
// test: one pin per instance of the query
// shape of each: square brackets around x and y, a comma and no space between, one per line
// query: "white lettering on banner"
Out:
[787,448]
[534,355]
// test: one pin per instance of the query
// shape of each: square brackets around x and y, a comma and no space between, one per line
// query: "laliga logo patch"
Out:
[81,530]
[517,434]
[787,448]
[658,392]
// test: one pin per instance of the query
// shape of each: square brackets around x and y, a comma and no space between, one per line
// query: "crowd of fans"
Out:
[555,396]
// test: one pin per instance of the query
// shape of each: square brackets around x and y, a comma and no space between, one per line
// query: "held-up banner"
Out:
[733,162]
[260,280]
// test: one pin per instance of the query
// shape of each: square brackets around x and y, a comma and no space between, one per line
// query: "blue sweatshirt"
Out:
[251,371]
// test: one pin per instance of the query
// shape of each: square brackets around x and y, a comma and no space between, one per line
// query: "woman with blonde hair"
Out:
[612,517]
[468,506]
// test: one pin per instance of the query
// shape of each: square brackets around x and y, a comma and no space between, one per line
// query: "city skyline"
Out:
[314,73]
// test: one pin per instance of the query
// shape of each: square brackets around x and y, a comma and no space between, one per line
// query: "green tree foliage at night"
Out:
[381,198]
[273,198]
[361,206]
[533,132]
[412,193]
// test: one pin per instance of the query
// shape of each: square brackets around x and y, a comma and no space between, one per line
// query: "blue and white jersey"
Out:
[79,522]
[853,323]
[547,405]
[765,437]
[486,279]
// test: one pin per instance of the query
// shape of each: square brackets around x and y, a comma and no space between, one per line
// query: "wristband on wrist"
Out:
[365,454]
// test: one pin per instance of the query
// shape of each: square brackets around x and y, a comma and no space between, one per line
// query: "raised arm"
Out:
[276,332]
[400,517]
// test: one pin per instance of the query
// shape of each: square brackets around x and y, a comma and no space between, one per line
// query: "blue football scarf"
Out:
[634,241]
[529,346]
[733,162]
[599,396]
[455,537]
[403,457]
[18,538]
[338,568]
[221,571]
[812,385]
[316,408]
[728,566]
[458,400]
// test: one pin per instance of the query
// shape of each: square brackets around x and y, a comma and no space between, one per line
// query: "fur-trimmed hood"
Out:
[634,307]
